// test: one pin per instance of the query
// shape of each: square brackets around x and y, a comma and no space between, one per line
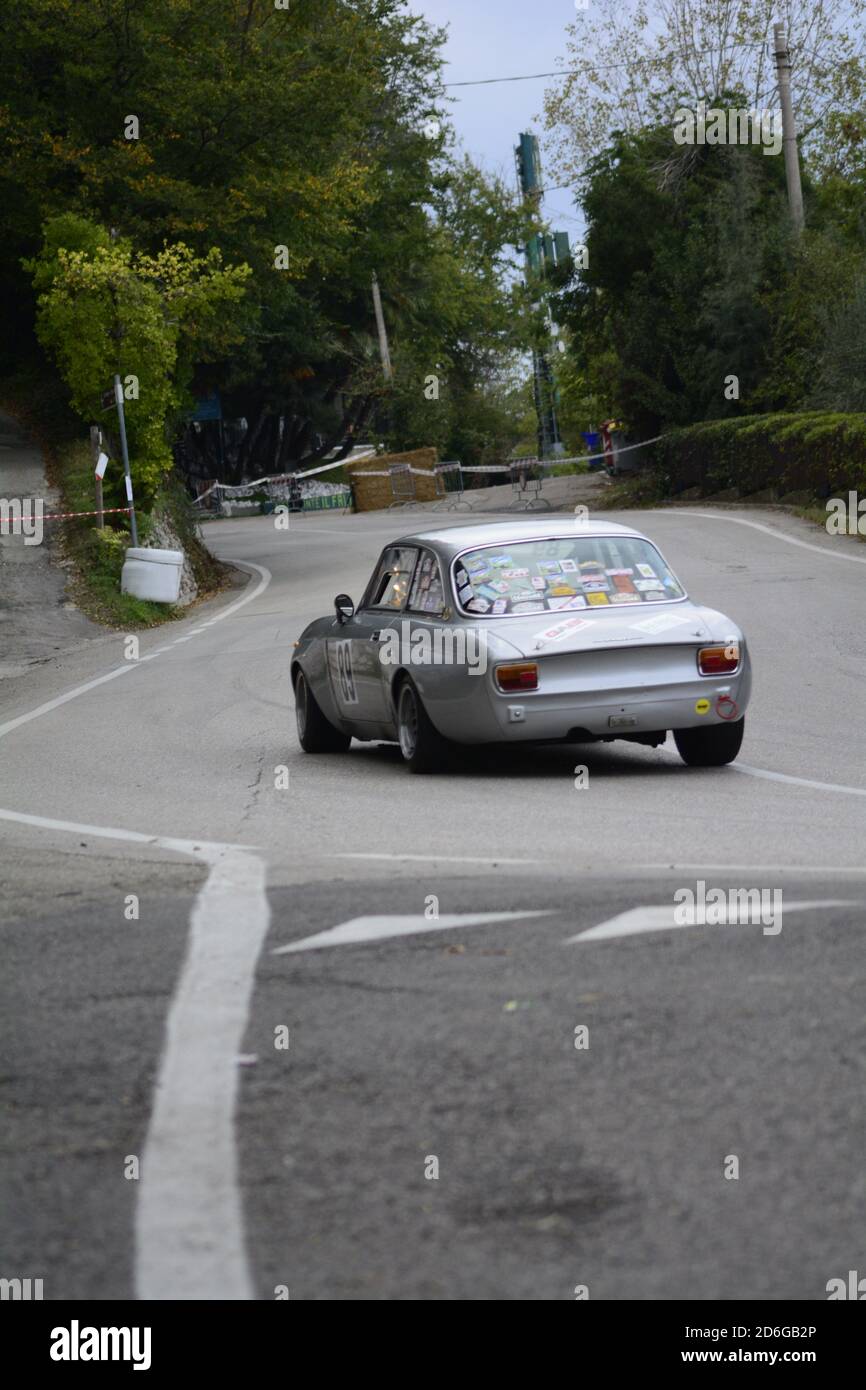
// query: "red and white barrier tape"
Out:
[64,516]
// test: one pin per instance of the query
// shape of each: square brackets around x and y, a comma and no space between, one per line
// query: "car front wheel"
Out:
[423,747]
[316,734]
[712,746]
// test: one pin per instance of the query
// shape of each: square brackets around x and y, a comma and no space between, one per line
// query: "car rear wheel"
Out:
[316,734]
[712,746]
[423,747]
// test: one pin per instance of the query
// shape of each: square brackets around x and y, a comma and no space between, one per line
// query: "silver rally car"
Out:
[522,632]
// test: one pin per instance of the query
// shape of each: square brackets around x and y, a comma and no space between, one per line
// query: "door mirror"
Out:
[345,608]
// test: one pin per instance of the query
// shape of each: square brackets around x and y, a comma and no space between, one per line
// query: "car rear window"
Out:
[540,576]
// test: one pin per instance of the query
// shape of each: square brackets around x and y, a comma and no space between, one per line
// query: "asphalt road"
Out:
[191,1110]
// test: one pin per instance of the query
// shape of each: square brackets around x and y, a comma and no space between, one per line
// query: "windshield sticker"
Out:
[464,593]
[549,567]
[625,598]
[501,561]
[647,571]
[623,584]
[596,599]
[527,608]
[645,585]
[515,574]
[537,582]
[499,607]
[561,591]
[478,605]
[568,566]
[630,571]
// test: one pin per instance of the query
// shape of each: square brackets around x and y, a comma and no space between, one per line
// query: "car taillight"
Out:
[719,661]
[523,675]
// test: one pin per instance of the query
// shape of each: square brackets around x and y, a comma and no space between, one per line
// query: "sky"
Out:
[503,38]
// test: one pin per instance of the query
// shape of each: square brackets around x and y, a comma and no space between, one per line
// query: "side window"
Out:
[427,594]
[393,577]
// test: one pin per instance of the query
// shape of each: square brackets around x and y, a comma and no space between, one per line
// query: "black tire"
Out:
[316,734]
[422,746]
[712,746]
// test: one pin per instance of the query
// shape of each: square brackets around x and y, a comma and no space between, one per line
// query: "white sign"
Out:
[101,465]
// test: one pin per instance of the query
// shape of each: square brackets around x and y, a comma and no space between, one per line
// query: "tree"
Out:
[104,309]
[630,67]
[682,251]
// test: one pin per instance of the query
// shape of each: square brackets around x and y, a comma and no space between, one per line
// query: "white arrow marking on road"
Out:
[378,928]
[661,918]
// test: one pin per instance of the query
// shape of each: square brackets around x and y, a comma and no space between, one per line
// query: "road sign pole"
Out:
[118,396]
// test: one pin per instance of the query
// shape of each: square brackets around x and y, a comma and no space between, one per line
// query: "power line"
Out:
[526,77]
[567,72]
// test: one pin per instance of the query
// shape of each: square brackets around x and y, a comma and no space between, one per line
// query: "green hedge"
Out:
[819,453]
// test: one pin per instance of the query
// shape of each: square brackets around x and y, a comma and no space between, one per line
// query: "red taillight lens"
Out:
[719,661]
[523,675]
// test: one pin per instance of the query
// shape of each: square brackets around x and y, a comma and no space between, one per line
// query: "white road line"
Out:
[662,917]
[203,849]
[825,550]
[797,781]
[264,581]
[360,929]
[189,1222]
[440,858]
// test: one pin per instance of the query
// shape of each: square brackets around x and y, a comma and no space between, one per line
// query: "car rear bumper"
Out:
[616,714]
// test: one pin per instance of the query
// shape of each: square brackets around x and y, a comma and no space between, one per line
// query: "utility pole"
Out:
[383,332]
[789,131]
[118,396]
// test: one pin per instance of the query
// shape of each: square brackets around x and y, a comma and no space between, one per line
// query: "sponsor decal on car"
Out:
[561,630]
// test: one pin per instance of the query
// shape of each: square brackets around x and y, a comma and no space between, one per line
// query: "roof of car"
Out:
[455,538]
